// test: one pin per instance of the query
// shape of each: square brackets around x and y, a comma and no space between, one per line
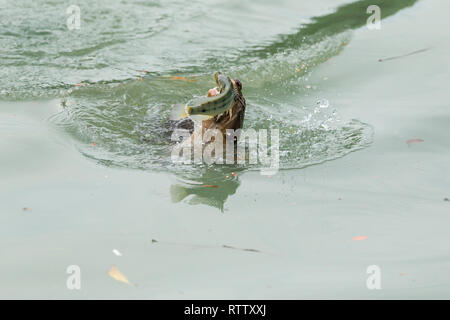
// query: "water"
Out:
[86,168]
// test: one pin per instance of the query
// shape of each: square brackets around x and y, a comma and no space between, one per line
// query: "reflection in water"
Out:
[212,188]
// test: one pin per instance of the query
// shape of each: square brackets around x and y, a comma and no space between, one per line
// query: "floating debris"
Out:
[117,252]
[446,199]
[117,275]
[208,246]
[414,141]
[359,238]
[210,186]
[404,55]
[242,249]
[26,209]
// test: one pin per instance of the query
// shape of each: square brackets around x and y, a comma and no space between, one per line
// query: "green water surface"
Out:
[85,163]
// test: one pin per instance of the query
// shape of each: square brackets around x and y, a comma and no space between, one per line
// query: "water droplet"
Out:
[323,103]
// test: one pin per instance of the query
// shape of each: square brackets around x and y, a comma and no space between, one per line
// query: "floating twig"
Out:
[207,246]
[404,55]
[242,249]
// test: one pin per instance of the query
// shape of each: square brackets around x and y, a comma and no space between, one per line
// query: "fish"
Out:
[207,107]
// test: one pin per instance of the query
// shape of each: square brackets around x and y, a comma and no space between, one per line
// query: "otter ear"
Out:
[238,83]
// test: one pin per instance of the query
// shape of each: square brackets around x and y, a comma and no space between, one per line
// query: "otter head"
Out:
[238,84]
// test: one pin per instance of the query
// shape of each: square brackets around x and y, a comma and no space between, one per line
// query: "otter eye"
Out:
[238,83]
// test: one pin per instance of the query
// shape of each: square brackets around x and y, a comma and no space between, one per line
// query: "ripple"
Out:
[122,125]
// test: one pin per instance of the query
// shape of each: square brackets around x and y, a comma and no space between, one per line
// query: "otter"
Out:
[214,185]
[232,118]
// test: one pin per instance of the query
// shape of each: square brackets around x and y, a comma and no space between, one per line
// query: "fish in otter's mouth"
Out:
[222,109]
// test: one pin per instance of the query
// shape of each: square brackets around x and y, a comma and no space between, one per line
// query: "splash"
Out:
[123,125]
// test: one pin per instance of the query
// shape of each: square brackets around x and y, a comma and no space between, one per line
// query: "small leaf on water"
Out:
[414,141]
[154,241]
[359,238]
[117,275]
[183,78]
[242,249]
